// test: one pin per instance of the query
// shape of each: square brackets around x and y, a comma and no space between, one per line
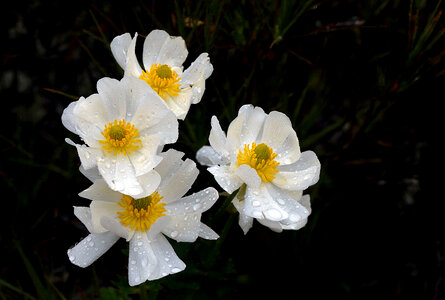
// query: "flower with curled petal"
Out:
[260,156]
[162,57]
[144,222]
[123,127]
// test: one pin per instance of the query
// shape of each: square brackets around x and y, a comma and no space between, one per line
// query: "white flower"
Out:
[143,222]
[261,156]
[162,58]
[123,127]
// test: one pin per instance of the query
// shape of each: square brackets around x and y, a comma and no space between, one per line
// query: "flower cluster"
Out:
[138,190]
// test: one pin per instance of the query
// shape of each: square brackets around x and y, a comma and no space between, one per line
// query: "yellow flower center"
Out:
[162,79]
[140,214]
[120,137]
[261,158]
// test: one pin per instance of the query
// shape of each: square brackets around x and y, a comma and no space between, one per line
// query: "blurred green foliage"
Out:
[361,81]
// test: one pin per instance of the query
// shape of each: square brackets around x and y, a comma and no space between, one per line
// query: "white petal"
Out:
[177,184]
[170,163]
[68,117]
[101,209]
[84,215]
[301,174]
[132,68]
[226,178]
[201,68]
[149,182]
[91,248]
[236,127]
[168,261]
[217,138]
[166,128]
[248,175]
[100,191]
[273,225]
[141,261]
[184,227]
[158,226]
[119,47]
[159,47]
[208,157]
[92,174]
[198,90]
[306,202]
[113,93]
[245,222]
[253,125]
[88,156]
[87,116]
[119,174]
[260,204]
[282,200]
[180,104]
[197,202]
[113,225]
[289,151]
[145,109]
[277,128]
[145,159]
[207,233]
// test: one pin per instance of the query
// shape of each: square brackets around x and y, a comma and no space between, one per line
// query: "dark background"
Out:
[362,82]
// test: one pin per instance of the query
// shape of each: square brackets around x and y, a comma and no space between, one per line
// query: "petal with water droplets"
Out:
[91,248]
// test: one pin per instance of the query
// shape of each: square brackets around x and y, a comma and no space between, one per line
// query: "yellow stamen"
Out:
[140,214]
[261,158]
[120,137]
[162,79]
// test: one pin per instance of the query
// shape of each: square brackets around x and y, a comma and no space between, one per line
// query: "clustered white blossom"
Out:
[138,190]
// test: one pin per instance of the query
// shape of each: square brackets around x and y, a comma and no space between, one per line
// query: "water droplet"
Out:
[273,214]
[133,262]
[72,258]
[307,177]
[144,262]
[197,206]
[139,243]
[176,270]
[281,201]
[174,234]
[107,165]
[91,244]
[294,217]
[87,155]
[256,203]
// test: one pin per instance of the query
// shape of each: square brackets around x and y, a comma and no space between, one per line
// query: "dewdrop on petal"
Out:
[260,156]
